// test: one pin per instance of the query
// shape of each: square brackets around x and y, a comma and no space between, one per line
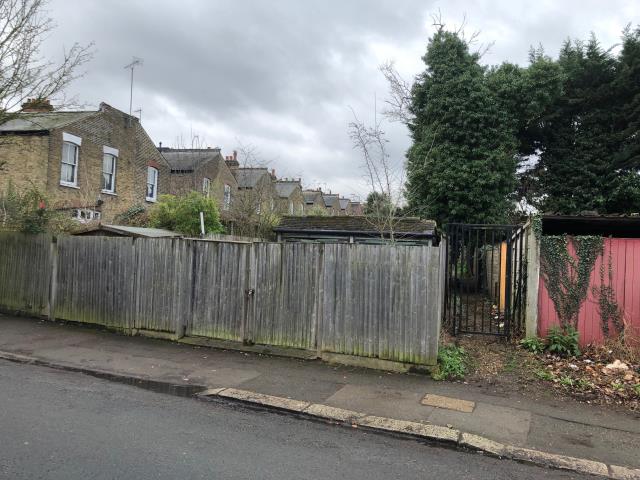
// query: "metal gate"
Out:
[485,279]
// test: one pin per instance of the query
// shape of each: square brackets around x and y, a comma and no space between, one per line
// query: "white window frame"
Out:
[226,199]
[113,153]
[154,197]
[85,215]
[206,187]
[75,142]
[290,207]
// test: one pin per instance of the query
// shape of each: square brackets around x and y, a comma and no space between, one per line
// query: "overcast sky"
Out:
[282,75]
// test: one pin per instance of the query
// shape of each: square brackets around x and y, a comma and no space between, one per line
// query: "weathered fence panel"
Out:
[95,280]
[25,272]
[220,279]
[164,282]
[284,307]
[124,282]
[382,301]
[379,301]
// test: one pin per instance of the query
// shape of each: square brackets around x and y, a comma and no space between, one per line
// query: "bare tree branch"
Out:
[399,101]
[384,179]
[24,73]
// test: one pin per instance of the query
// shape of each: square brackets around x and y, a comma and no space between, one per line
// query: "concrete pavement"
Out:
[542,422]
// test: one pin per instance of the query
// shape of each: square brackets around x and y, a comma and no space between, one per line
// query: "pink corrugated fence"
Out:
[625,261]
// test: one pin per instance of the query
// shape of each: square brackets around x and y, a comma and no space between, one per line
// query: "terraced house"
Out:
[201,170]
[290,198]
[93,164]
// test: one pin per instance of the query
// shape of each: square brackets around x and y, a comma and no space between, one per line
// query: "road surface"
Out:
[64,425]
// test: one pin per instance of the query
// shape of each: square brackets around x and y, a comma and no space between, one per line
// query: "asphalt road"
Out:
[63,425]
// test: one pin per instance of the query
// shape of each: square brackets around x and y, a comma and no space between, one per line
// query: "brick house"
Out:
[355,208]
[312,201]
[201,170]
[256,190]
[345,206]
[93,164]
[290,198]
[332,203]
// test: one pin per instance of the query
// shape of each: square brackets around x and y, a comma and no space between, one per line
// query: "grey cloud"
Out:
[282,75]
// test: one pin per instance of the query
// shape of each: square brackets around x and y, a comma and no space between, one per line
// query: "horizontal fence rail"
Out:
[378,301]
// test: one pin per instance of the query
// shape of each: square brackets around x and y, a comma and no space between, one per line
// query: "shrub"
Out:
[563,342]
[533,344]
[27,212]
[451,363]
[182,214]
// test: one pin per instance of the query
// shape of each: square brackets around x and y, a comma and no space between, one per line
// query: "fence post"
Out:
[319,321]
[53,282]
[249,294]
[533,278]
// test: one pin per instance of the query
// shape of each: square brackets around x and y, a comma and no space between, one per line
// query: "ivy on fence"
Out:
[566,277]
[610,311]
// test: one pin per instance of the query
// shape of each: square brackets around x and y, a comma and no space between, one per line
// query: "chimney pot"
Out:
[37,105]
[235,154]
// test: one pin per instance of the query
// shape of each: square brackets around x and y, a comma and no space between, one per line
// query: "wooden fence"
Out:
[378,301]
[617,273]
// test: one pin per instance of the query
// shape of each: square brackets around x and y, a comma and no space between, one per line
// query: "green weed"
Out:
[563,342]
[533,344]
[451,363]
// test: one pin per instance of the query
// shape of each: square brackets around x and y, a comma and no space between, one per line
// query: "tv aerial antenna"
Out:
[136,62]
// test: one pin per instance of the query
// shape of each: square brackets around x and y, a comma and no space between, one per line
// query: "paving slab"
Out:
[504,424]
[449,403]
[400,404]
[579,440]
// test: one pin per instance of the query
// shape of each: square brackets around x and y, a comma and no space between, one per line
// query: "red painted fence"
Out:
[624,254]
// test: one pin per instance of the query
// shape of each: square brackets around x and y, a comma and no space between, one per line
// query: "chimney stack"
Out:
[37,105]
[231,161]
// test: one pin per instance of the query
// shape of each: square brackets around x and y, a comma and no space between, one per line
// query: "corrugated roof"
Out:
[143,232]
[249,177]
[127,231]
[35,122]
[354,223]
[286,188]
[192,159]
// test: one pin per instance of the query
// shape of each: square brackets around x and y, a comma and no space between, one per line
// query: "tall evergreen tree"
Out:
[589,146]
[461,166]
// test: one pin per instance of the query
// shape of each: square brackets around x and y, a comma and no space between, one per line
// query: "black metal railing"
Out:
[485,279]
